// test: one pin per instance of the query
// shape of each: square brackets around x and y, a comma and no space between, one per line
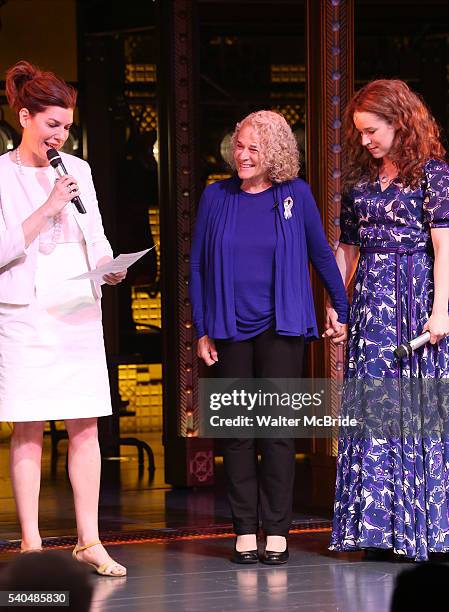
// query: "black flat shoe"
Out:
[271,557]
[244,558]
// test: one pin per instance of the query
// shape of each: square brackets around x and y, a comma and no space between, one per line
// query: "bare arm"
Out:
[347,257]
[438,323]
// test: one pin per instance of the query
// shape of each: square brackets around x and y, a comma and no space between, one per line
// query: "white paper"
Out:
[118,264]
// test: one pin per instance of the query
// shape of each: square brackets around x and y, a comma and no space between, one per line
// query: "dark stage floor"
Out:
[174,563]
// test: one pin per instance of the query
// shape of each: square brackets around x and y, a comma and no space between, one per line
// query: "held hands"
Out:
[337,332]
[206,350]
[64,190]
[438,326]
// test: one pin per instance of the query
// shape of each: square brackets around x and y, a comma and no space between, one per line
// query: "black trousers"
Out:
[260,491]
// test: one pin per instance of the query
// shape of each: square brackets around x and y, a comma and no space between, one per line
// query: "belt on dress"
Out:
[399,252]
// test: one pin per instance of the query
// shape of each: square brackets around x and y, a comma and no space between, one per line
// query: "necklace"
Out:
[19,162]
[45,246]
[385,178]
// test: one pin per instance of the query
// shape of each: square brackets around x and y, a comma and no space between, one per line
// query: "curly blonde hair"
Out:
[416,140]
[278,147]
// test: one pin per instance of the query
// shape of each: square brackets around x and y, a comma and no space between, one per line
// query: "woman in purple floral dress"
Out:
[392,491]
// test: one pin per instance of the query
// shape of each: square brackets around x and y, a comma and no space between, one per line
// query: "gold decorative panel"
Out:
[140,73]
[145,308]
[292,112]
[145,116]
[288,73]
[141,386]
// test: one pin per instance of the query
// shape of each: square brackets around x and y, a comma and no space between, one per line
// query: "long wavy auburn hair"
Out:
[416,140]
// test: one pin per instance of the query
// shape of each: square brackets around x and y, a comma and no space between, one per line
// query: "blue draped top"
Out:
[215,287]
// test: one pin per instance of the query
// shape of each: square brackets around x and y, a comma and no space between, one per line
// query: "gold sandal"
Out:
[105,568]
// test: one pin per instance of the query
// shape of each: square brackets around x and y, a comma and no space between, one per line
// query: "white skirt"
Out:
[52,357]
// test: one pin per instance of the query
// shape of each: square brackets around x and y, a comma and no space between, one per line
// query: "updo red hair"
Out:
[29,87]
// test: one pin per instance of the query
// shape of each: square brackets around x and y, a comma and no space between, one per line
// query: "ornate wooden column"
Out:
[330,82]
[188,460]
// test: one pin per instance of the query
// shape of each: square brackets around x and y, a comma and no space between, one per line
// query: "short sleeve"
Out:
[349,226]
[436,194]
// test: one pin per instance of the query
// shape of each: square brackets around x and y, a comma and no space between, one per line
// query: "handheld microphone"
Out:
[55,160]
[407,349]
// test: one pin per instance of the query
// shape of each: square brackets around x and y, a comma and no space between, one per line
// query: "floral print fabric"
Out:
[392,491]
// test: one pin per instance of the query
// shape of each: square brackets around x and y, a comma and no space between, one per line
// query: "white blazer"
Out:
[17,263]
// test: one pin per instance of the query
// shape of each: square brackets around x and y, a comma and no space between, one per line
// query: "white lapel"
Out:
[80,219]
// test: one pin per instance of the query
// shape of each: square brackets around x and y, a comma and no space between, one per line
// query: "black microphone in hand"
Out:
[55,160]
[407,349]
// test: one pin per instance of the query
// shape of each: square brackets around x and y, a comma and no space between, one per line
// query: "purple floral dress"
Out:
[393,491]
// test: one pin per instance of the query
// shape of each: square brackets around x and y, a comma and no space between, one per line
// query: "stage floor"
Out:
[197,576]
[164,538]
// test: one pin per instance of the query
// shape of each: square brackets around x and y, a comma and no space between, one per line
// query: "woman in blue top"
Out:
[392,491]
[253,307]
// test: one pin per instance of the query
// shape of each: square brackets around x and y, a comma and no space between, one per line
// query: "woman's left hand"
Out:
[438,326]
[337,332]
[114,277]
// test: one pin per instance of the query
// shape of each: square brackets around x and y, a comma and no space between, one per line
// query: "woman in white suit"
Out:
[52,358]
